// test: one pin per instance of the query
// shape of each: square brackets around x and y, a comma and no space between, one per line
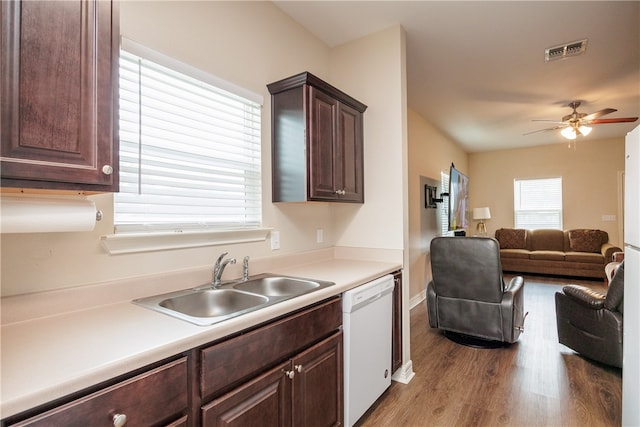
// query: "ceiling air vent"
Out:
[565,50]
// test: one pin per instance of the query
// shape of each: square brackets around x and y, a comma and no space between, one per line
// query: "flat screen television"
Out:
[458,200]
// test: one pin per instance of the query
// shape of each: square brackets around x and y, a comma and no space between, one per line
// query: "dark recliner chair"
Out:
[590,322]
[468,297]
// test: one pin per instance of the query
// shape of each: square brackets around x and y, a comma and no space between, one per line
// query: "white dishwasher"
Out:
[366,319]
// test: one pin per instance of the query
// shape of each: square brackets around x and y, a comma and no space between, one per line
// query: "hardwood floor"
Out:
[534,382]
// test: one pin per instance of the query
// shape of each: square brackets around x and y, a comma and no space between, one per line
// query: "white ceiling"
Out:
[476,70]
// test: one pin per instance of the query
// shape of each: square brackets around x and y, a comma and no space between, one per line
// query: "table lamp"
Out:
[481,214]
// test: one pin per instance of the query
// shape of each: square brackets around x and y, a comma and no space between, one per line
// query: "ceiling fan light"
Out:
[569,133]
[584,130]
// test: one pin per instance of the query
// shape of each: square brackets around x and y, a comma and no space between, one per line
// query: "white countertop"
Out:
[53,356]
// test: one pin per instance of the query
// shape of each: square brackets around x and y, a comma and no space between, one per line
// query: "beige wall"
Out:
[589,182]
[250,44]
[373,70]
[430,152]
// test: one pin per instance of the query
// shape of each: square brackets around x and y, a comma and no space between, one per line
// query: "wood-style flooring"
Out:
[534,382]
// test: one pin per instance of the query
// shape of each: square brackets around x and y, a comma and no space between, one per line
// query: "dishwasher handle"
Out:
[370,300]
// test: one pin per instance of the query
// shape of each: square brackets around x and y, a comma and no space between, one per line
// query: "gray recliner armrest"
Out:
[432,306]
[513,319]
[587,297]
[514,284]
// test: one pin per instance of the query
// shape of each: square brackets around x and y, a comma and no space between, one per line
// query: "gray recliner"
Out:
[590,322]
[468,295]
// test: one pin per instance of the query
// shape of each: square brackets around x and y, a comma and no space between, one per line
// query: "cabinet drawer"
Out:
[156,397]
[237,358]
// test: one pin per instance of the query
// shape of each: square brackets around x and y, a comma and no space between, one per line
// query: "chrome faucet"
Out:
[218,268]
[245,269]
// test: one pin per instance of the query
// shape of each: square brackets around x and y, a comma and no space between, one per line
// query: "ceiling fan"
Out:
[575,124]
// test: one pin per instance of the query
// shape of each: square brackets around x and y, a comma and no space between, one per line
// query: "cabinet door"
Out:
[264,401]
[318,385]
[59,94]
[322,119]
[349,160]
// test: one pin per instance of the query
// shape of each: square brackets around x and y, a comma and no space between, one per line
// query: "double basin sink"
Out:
[206,305]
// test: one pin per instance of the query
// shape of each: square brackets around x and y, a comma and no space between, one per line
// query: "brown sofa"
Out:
[581,253]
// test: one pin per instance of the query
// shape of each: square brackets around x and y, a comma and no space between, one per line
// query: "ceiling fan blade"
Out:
[544,130]
[598,114]
[617,120]
[548,121]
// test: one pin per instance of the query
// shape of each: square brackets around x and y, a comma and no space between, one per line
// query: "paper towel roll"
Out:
[46,215]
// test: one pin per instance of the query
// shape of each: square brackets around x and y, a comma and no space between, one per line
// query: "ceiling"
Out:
[476,70]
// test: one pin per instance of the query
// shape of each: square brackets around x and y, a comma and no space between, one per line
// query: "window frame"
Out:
[148,238]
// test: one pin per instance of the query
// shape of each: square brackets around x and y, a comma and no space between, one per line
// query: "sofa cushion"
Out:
[586,240]
[512,238]
[589,257]
[514,253]
[547,255]
[546,240]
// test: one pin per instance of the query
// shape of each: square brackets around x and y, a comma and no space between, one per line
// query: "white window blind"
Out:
[443,208]
[189,151]
[538,203]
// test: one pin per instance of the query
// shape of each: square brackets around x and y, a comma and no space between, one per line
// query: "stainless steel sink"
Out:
[213,302]
[206,305]
[278,286]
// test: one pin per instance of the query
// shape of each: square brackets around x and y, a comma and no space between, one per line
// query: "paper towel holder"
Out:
[47,214]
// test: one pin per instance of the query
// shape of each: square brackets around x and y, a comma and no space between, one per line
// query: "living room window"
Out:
[538,203]
[189,148]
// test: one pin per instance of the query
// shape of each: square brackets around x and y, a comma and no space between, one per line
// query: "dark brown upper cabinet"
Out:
[316,142]
[59,95]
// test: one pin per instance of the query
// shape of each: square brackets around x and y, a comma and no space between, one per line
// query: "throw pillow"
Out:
[585,240]
[510,238]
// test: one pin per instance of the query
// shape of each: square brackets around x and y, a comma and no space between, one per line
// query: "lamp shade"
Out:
[584,130]
[481,213]
[569,133]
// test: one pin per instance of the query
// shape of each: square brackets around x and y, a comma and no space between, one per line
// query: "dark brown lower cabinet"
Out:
[287,372]
[304,391]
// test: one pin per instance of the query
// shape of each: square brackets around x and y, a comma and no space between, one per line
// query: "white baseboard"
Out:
[417,299]
[404,373]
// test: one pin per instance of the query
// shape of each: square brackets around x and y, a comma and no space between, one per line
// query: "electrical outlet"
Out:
[275,240]
[609,218]
[319,235]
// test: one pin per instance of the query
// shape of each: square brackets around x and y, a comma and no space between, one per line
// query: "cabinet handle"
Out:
[340,192]
[298,368]
[119,420]
[290,374]
[107,169]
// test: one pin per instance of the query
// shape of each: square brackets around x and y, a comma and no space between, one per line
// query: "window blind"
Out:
[189,152]
[443,208]
[538,203]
